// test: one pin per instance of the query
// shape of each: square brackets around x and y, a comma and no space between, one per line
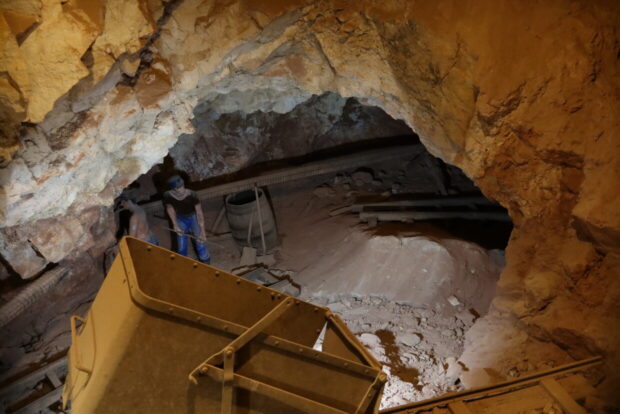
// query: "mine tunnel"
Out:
[442,178]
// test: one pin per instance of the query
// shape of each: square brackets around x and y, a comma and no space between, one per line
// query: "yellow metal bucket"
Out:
[166,334]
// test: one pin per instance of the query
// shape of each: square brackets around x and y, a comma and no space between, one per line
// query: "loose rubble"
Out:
[418,347]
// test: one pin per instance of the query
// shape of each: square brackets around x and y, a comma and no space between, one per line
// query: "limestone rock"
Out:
[56,47]
[54,239]
[124,31]
[315,124]
[542,287]
[409,339]
[20,254]
[369,340]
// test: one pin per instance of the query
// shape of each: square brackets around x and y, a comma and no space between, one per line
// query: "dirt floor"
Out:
[409,292]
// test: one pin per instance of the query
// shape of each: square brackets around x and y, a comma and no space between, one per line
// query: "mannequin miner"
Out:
[184,209]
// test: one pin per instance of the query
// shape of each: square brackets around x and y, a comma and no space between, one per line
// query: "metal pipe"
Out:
[31,294]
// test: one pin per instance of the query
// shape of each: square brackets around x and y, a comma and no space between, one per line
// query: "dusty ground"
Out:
[390,285]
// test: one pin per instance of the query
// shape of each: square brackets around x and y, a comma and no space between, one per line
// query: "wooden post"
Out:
[220,215]
[260,220]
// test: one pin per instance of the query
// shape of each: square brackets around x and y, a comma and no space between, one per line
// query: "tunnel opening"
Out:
[95,96]
[404,247]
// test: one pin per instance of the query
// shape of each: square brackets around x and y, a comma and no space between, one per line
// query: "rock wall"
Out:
[523,96]
[227,142]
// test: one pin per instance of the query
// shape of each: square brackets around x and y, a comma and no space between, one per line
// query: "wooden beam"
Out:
[51,375]
[458,407]
[410,216]
[561,396]
[29,380]
[41,403]
[489,390]
[311,169]
[436,202]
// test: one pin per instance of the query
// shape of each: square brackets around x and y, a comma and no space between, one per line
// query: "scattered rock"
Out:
[466,317]
[453,300]
[397,188]
[337,307]
[324,192]
[369,340]
[447,332]
[409,339]
[267,259]
[248,256]
[361,178]
[453,369]
[20,254]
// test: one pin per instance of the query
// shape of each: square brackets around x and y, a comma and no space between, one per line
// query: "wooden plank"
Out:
[51,375]
[503,387]
[428,202]
[340,210]
[30,379]
[40,404]
[458,407]
[561,396]
[525,400]
[406,216]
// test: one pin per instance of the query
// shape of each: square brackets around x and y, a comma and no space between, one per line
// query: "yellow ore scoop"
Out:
[167,334]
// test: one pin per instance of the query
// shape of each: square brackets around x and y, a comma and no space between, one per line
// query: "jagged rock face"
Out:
[522,96]
[48,47]
[228,142]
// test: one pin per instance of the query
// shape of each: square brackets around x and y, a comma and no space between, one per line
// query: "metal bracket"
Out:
[227,355]
[372,391]
[76,353]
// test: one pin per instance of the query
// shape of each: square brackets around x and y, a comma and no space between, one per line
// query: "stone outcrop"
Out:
[523,96]
[224,143]
[47,47]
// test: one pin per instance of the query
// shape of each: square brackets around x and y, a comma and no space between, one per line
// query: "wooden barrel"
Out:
[242,216]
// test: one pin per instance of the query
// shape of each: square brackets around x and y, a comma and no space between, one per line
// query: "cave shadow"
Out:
[324,154]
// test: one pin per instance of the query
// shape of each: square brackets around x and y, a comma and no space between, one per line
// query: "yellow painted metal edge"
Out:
[189,315]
